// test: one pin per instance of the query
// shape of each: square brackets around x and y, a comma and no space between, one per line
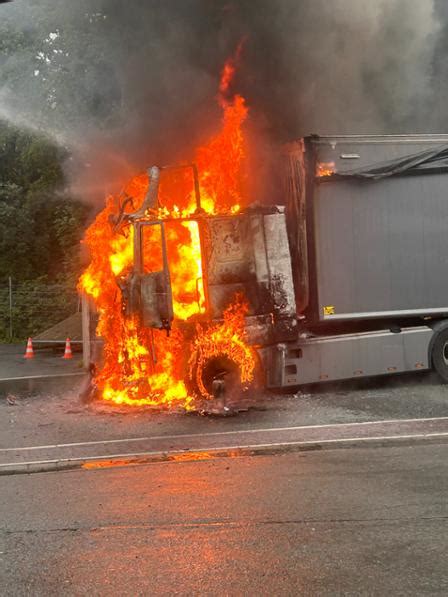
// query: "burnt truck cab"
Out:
[348,280]
[246,254]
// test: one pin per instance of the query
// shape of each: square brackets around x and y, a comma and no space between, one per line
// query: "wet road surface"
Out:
[335,522]
[46,361]
[57,416]
[230,443]
[44,431]
[350,521]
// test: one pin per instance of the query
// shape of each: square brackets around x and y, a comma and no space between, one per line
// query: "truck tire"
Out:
[219,367]
[439,354]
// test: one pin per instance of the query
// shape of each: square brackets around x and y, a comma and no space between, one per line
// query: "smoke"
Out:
[350,66]
[124,84]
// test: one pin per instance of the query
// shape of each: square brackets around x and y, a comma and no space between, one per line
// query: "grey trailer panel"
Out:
[381,246]
[364,151]
[356,355]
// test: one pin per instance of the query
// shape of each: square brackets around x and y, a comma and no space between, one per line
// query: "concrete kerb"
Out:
[96,463]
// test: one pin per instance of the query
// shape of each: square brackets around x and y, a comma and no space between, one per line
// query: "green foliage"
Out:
[40,227]
[51,63]
[40,231]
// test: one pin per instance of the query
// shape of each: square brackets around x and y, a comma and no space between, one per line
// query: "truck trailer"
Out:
[367,218]
[345,274]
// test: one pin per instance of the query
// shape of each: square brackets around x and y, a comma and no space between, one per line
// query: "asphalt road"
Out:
[339,522]
[46,361]
[53,429]
[335,522]
[56,416]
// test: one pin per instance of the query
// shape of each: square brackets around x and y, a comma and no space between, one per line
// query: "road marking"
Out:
[219,433]
[53,375]
[221,450]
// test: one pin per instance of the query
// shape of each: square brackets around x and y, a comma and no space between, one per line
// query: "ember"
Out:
[146,366]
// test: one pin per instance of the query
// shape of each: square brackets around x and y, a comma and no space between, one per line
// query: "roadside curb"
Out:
[191,455]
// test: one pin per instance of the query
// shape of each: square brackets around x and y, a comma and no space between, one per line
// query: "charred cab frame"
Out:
[245,253]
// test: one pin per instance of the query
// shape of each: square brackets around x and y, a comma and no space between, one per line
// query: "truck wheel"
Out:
[219,367]
[439,354]
[216,383]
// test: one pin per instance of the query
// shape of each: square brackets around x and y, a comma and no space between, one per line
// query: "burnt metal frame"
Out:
[138,260]
[199,217]
[138,257]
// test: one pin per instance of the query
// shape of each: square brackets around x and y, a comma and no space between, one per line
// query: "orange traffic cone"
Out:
[29,354]
[68,350]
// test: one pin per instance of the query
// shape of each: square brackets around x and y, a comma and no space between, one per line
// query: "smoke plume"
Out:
[124,84]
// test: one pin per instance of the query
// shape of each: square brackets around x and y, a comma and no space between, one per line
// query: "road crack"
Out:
[220,524]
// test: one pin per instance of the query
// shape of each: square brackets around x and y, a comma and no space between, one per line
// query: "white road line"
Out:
[218,433]
[218,450]
[51,376]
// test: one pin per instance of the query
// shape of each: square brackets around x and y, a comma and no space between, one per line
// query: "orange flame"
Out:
[325,169]
[223,340]
[142,366]
[228,73]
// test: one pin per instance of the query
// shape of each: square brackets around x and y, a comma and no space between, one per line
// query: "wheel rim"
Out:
[445,353]
[220,367]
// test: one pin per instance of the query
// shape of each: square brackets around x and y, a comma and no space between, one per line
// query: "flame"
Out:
[325,169]
[228,73]
[143,366]
[223,340]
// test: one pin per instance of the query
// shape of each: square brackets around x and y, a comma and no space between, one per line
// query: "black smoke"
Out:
[130,83]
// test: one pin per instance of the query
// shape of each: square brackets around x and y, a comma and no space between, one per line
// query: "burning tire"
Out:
[218,368]
[220,381]
[223,365]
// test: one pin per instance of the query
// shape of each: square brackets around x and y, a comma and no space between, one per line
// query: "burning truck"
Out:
[202,294]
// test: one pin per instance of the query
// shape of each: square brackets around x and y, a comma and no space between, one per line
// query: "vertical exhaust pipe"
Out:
[152,195]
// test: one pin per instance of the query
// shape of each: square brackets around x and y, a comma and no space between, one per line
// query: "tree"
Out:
[40,226]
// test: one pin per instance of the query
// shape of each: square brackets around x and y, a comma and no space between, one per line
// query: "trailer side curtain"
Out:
[429,160]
